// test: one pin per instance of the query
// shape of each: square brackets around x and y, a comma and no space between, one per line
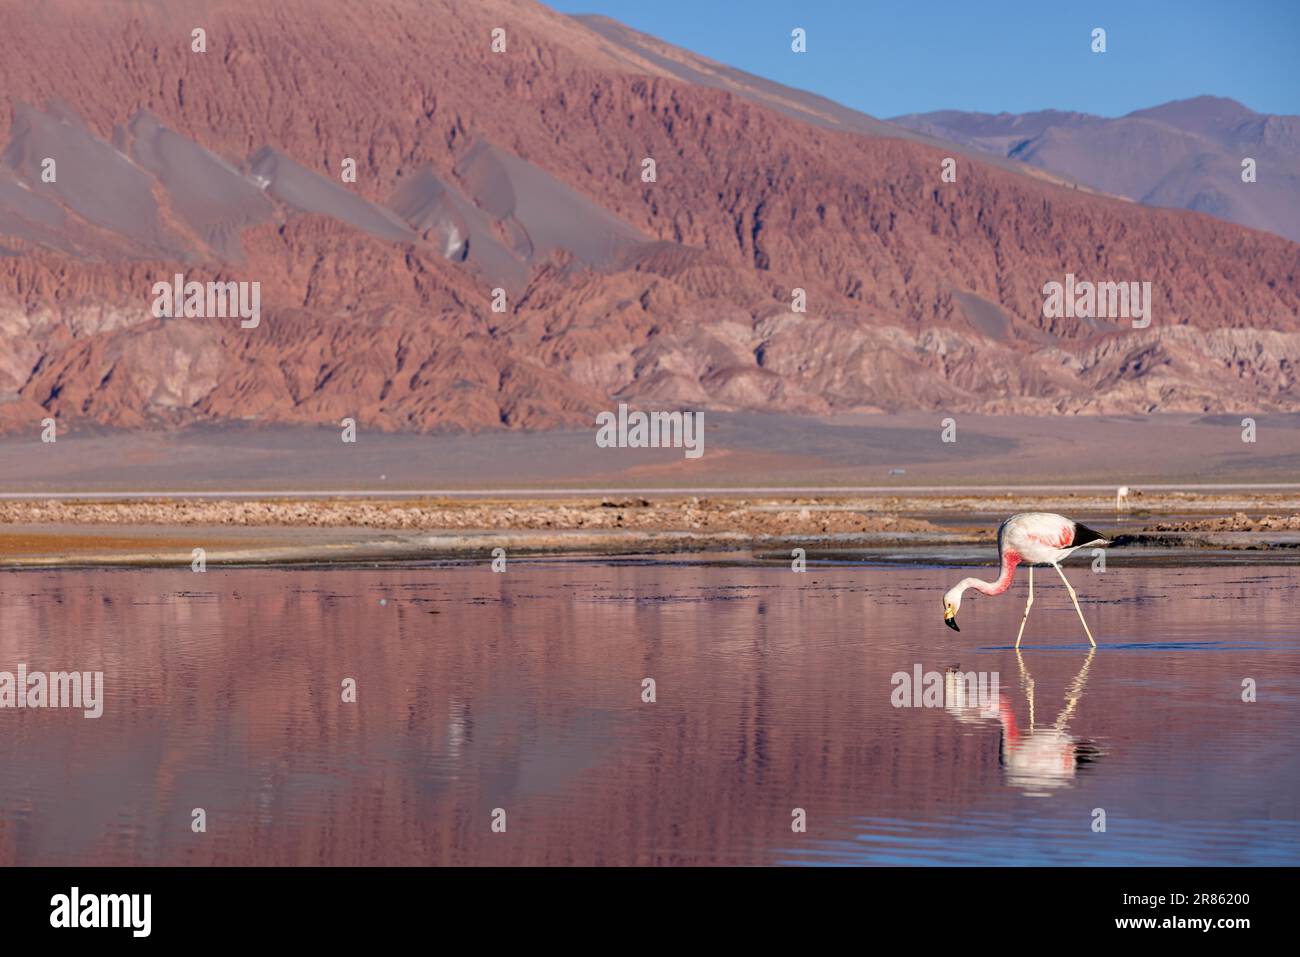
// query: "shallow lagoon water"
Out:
[523,691]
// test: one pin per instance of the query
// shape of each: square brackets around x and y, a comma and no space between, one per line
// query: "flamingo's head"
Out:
[951,602]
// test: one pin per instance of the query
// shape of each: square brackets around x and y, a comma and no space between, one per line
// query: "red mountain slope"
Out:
[522,170]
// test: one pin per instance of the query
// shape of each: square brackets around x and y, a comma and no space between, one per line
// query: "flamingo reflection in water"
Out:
[1036,760]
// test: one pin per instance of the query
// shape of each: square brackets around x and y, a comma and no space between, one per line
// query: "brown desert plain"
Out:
[521,172]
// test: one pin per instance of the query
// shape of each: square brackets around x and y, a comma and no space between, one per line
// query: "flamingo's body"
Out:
[1030,538]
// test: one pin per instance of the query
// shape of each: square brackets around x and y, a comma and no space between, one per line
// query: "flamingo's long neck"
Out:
[1010,560]
[1007,718]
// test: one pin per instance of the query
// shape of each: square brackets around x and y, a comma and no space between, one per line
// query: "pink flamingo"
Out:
[1032,538]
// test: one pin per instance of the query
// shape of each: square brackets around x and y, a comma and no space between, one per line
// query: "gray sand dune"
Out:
[460,230]
[17,199]
[25,215]
[119,187]
[213,197]
[540,213]
[305,190]
[93,179]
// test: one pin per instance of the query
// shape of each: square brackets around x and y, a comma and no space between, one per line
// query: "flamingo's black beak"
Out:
[950,620]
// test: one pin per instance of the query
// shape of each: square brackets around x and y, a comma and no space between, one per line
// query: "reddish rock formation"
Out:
[522,170]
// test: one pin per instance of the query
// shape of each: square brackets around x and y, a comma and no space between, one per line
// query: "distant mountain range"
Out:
[522,171]
[1186,154]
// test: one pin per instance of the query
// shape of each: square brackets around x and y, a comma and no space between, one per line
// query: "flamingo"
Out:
[1034,538]
[1038,758]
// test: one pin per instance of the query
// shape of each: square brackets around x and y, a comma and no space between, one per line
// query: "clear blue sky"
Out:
[913,56]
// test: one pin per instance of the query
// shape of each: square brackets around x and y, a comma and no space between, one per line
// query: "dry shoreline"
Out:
[165,531]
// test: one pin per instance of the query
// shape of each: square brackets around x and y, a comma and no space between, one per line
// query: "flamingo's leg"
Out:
[1027,606]
[1075,691]
[1075,598]
[1027,680]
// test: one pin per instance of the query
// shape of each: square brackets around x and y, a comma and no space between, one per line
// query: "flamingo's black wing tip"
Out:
[1083,535]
